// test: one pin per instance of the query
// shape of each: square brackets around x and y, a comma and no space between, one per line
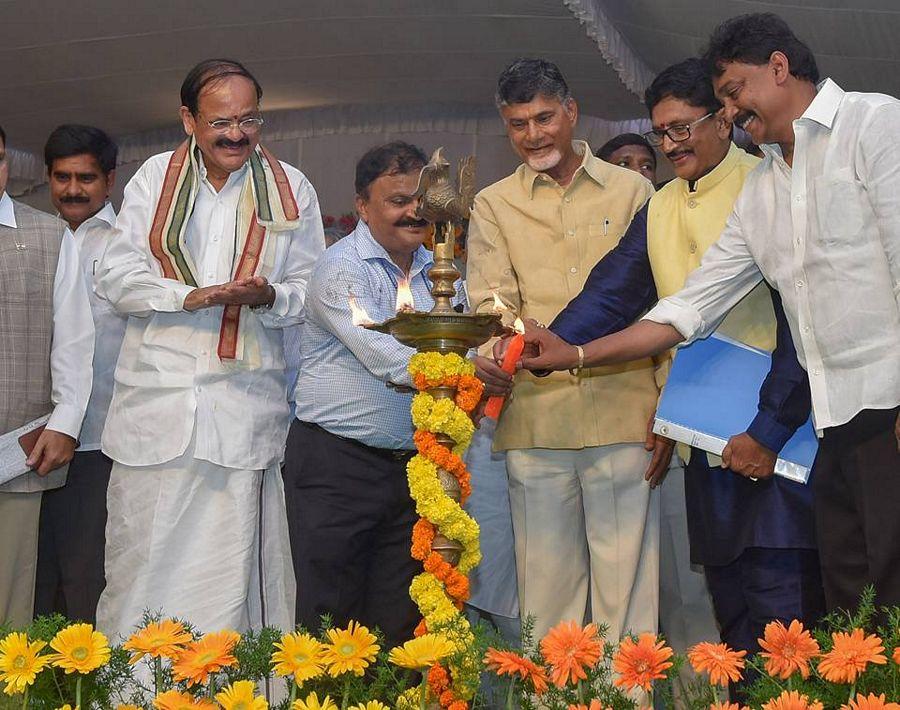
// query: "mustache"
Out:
[411,223]
[228,143]
[75,199]
[672,154]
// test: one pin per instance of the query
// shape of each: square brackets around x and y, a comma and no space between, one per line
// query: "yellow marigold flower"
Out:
[176,700]
[79,649]
[164,639]
[422,652]
[371,705]
[351,650]
[850,655]
[20,662]
[299,655]
[312,703]
[241,695]
[208,654]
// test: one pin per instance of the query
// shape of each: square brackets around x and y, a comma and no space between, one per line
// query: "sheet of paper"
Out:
[12,458]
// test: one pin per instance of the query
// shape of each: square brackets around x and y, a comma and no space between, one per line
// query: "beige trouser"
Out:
[685,607]
[586,530]
[20,514]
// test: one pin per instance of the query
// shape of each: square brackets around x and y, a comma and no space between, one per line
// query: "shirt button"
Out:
[692,246]
[571,232]
[799,198]
[799,283]
[692,203]
[573,270]
[817,372]
[568,200]
[805,328]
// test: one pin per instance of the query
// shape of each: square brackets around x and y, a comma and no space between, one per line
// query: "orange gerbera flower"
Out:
[595,705]
[509,663]
[570,649]
[175,700]
[163,639]
[639,664]
[792,700]
[897,655]
[722,663]
[727,706]
[870,702]
[208,654]
[787,650]
[850,655]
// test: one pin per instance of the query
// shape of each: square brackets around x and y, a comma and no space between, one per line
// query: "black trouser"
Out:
[71,540]
[350,518]
[857,508]
[763,584]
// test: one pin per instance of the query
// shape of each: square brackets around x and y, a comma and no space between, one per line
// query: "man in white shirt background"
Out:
[214,248]
[819,219]
[46,344]
[81,168]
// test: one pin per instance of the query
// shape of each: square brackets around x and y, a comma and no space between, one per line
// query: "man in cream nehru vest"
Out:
[46,345]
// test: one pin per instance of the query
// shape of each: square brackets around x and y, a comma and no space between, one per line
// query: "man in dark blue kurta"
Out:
[755,539]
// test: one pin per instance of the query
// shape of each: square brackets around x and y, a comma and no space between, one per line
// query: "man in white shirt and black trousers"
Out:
[819,220]
[81,169]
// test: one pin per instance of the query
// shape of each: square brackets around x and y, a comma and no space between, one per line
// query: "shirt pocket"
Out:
[840,207]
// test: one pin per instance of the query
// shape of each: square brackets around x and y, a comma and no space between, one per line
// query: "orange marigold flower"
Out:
[639,664]
[438,679]
[569,650]
[792,701]
[510,663]
[722,663]
[209,654]
[850,655]
[458,705]
[787,650]
[870,702]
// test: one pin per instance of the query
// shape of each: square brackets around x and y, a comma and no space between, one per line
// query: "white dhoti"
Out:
[197,541]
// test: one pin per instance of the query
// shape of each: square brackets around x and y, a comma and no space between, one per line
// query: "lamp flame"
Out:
[405,301]
[519,326]
[357,312]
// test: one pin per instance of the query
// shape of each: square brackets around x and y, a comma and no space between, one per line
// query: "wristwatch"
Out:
[267,306]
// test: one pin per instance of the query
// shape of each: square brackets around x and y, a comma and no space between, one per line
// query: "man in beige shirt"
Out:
[585,521]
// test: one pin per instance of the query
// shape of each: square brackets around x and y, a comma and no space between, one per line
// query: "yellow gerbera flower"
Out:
[65,707]
[371,705]
[422,652]
[299,655]
[208,654]
[20,662]
[312,703]
[163,639]
[79,649]
[241,695]
[176,700]
[351,650]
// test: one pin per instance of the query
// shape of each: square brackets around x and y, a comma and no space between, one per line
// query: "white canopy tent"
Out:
[342,75]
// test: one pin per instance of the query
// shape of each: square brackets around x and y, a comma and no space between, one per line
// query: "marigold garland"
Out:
[440,590]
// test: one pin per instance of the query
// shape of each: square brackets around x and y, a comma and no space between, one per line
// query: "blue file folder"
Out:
[712,394]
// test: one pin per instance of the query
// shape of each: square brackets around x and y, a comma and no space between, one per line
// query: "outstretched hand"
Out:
[545,350]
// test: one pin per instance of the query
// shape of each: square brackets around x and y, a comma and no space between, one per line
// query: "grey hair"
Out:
[526,78]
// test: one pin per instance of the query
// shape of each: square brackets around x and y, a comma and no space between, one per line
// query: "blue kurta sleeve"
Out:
[619,288]
[784,398]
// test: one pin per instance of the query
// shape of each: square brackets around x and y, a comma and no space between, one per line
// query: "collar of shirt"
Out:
[367,248]
[105,214]
[592,166]
[7,212]
[232,177]
[714,177]
[822,110]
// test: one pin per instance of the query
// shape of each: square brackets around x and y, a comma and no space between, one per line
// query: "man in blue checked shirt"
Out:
[349,510]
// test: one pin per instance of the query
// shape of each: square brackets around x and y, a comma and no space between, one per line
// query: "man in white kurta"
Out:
[197,524]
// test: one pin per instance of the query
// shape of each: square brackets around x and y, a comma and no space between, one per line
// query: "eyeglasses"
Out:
[676,134]
[245,125]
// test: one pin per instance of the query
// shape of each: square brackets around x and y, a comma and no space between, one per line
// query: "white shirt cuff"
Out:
[683,318]
[66,419]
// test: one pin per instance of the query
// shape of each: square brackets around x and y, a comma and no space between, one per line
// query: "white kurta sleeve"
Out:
[126,277]
[73,342]
[306,245]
